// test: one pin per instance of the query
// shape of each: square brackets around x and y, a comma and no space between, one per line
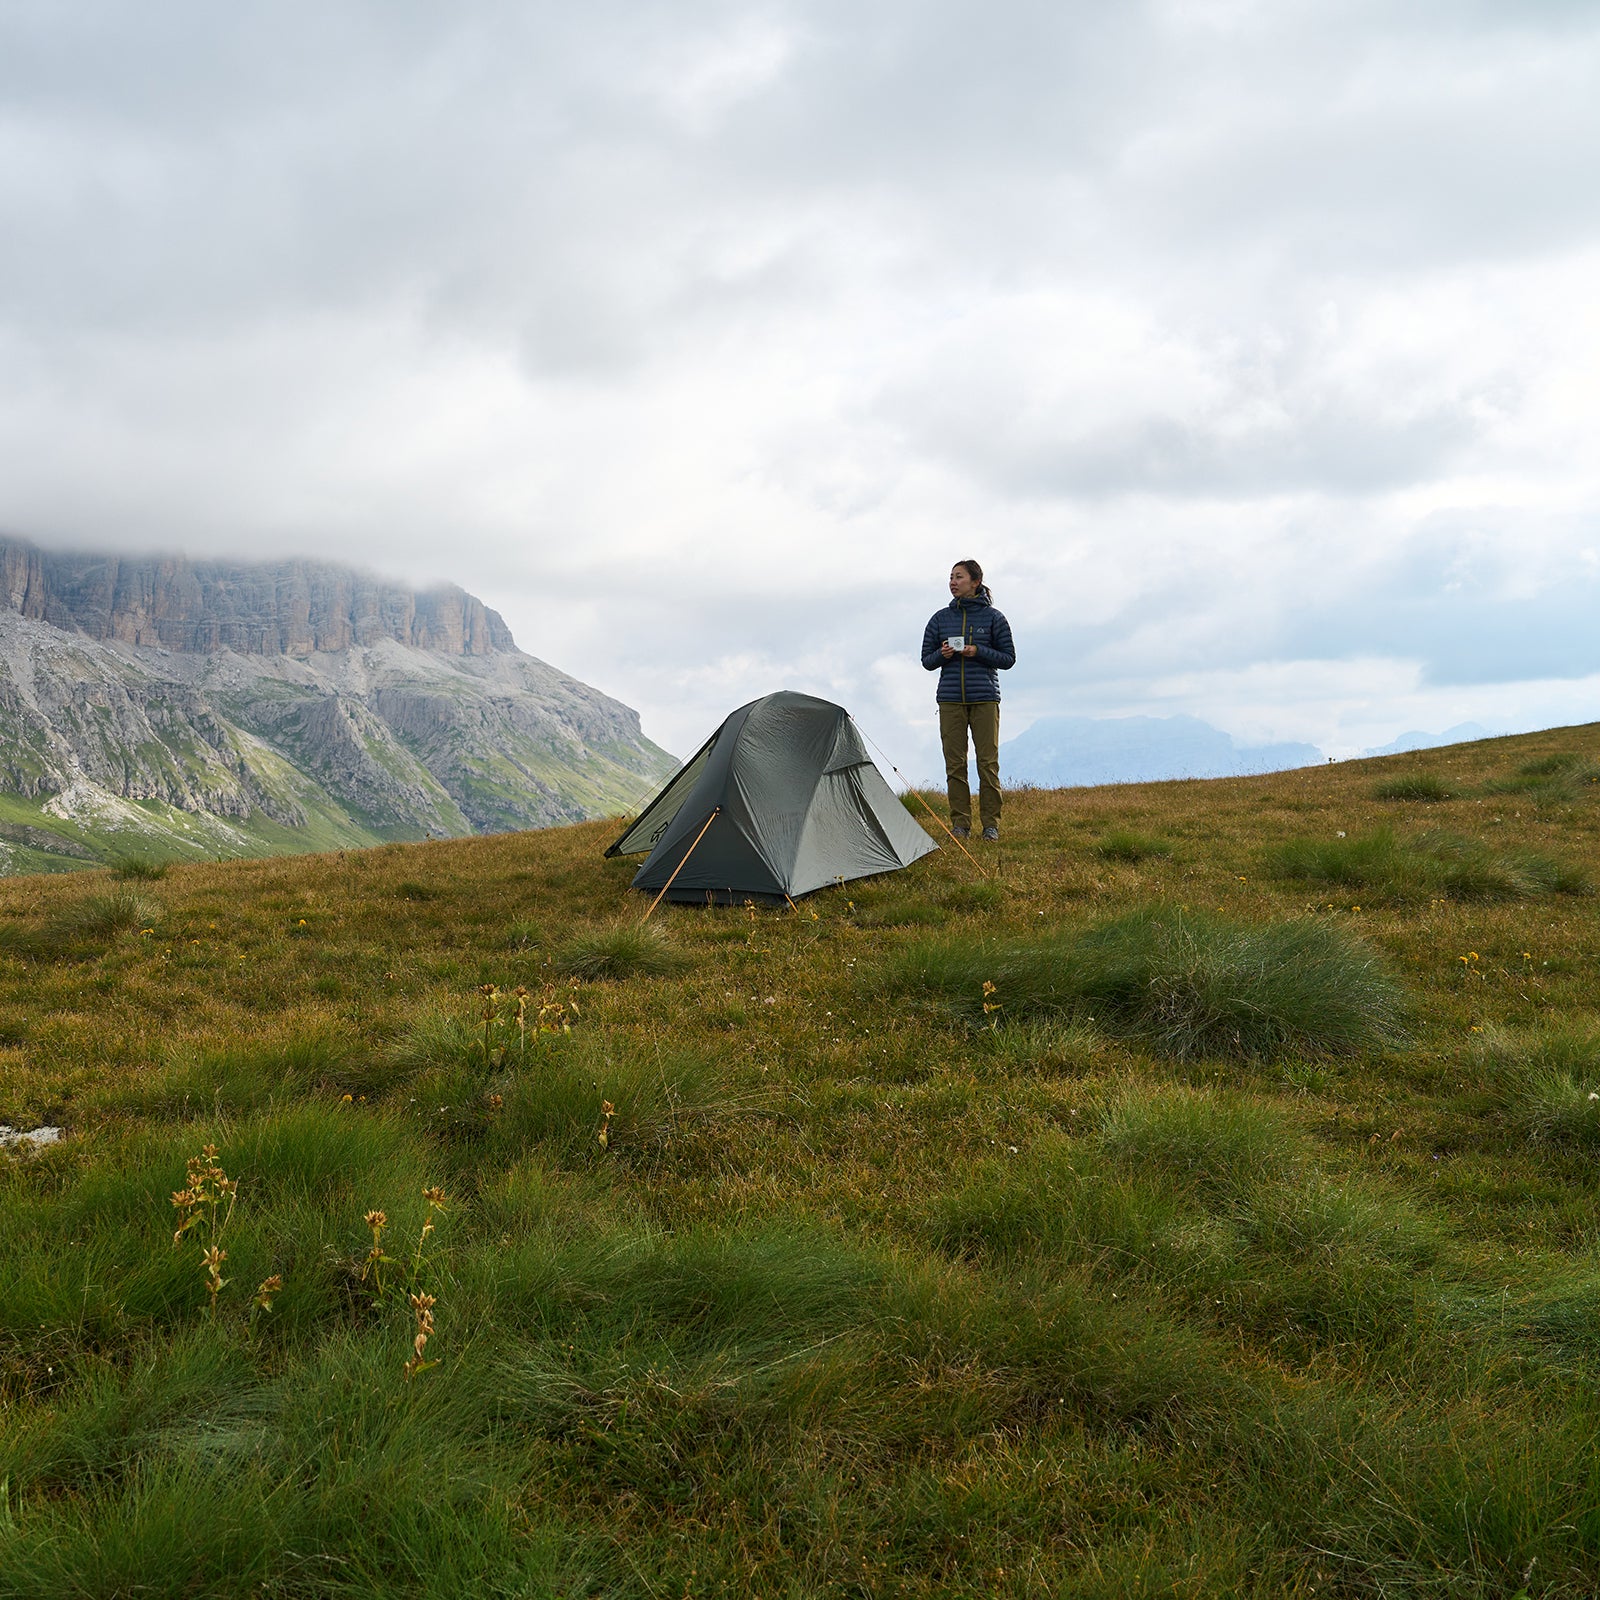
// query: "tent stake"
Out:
[920,801]
[680,866]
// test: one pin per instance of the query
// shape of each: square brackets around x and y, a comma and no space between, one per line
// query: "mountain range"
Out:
[1060,751]
[160,706]
[1461,733]
[1066,752]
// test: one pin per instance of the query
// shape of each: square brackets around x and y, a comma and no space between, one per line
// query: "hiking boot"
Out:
[992,835]
[958,832]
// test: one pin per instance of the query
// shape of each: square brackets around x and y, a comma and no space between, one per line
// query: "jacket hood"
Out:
[981,598]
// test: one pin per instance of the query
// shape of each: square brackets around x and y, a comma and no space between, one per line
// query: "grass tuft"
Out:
[1183,985]
[624,950]
[1123,844]
[1216,1201]
[1554,780]
[1383,865]
[1561,765]
[1547,1081]
[104,916]
[1426,787]
[432,1040]
[137,868]
[1216,1143]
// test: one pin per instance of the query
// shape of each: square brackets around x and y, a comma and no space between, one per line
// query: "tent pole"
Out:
[920,801]
[680,866]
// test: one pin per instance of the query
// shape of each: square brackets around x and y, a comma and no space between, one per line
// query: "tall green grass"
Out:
[139,868]
[1426,787]
[1557,779]
[1383,864]
[104,916]
[1547,1079]
[1218,1201]
[625,950]
[1126,844]
[620,1400]
[1181,984]
[868,1290]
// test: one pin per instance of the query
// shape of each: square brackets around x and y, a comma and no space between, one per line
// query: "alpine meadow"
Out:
[1193,1196]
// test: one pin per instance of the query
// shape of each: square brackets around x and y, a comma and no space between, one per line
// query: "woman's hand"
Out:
[971,650]
[946,651]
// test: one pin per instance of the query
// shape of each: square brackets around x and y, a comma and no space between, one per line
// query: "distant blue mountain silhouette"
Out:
[1064,752]
[1462,733]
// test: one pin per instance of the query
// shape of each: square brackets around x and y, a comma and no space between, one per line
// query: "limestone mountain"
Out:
[162,706]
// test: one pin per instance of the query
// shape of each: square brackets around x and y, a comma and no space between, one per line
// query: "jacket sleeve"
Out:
[931,658]
[1000,652]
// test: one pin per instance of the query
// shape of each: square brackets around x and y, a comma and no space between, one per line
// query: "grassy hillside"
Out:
[36,840]
[1204,1203]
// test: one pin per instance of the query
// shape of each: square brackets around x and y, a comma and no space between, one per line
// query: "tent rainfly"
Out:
[794,804]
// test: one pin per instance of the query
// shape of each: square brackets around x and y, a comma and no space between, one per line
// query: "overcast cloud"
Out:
[1251,344]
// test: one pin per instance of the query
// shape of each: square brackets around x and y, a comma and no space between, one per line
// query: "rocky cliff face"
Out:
[288,705]
[292,608]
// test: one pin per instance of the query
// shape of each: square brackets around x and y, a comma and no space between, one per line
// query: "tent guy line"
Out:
[915,795]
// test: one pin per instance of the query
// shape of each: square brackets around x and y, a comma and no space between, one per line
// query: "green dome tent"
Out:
[783,799]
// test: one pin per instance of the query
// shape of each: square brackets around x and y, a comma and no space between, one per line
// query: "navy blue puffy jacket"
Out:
[969,679]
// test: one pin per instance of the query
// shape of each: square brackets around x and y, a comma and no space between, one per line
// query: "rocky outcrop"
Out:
[349,751]
[77,714]
[293,608]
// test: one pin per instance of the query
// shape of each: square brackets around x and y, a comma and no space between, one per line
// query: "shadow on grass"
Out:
[883,906]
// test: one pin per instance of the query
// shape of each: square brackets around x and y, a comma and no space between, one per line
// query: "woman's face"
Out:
[961,585]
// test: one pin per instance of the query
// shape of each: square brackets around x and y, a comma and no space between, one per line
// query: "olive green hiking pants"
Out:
[982,719]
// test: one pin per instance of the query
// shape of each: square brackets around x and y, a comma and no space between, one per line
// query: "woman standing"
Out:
[967,643]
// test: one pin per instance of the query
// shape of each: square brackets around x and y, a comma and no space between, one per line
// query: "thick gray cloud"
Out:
[1250,344]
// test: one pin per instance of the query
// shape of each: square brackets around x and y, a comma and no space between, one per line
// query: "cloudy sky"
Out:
[1252,345]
